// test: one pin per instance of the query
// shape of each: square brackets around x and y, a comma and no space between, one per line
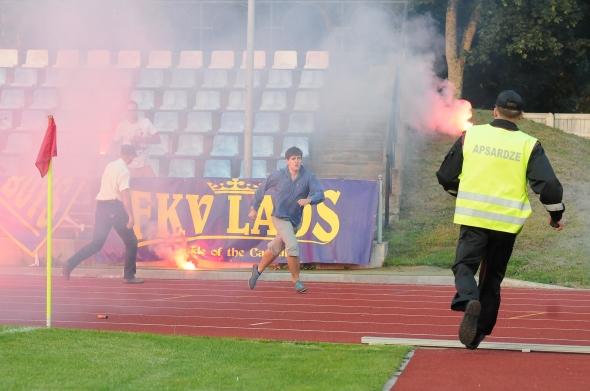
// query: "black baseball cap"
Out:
[128,150]
[509,99]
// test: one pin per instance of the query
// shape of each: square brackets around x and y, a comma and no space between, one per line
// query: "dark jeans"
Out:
[492,249]
[109,214]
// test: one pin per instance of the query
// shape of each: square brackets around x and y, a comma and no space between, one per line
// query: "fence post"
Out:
[380,211]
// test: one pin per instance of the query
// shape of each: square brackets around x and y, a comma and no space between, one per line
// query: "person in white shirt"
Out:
[113,210]
[138,132]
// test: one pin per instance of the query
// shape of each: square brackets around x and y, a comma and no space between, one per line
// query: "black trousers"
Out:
[492,250]
[109,214]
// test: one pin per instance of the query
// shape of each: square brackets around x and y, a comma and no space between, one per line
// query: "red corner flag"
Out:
[48,148]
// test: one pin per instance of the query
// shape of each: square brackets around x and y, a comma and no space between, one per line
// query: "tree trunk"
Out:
[455,54]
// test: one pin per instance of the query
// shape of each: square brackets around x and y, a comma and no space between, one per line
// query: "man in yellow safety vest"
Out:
[487,169]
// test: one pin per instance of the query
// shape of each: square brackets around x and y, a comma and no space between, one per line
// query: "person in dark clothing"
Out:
[113,210]
[487,169]
[292,187]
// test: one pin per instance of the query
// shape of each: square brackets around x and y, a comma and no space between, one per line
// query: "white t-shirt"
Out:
[115,179]
[127,131]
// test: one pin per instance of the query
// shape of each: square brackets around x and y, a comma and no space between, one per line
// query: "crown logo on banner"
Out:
[233,186]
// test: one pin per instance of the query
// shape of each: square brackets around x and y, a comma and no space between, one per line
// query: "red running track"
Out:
[330,312]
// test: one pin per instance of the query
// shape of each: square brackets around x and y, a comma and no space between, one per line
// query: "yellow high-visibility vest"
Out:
[492,187]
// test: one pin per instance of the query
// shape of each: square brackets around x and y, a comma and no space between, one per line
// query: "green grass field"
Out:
[58,359]
[425,234]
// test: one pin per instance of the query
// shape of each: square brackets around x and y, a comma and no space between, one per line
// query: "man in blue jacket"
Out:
[292,188]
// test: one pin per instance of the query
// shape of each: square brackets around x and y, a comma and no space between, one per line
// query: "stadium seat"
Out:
[222,59]
[174,100]
[12,99]
[183,78]
[207,101]
[9,166]
[267,123]
[36,59]
[240,81]
[215,78]
[24,77]
[311,79]
[98,59]
[166,121]
[154,163]
[67,59]
[144,98]
[306,100]
[217,168]
[190,145]
[3,77]
[8,58]
[225,145]
[279,78]
[128,59]
[6,120]
[301,123]
[18,143]
[232,122]
[285,59]
[190,59]
[317,60]
[159,59]
[181,168]
[150,78]
[161,148]
[273,101]
[44,98]
[302,142]
[73,99]
[199,122]
[236,101]
[33,120]
[57,78]
[259,59]
[259,169]
[263,146]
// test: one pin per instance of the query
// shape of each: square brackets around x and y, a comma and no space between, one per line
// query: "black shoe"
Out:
[478,339]
[66,271]
[133,280]
[468,327]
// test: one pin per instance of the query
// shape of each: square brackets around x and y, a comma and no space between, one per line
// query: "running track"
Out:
[330,312]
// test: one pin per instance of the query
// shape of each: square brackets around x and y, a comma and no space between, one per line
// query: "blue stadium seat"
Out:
[273,101]
[181,168]
[232,122]
[155,165]
[215,78]
[279,78]
[18,143]
[12,99]
[174,100]
[190,145]
[267,123]
[263,146]
[217,168]
[259,169]
[236,101]
[240,81]
[33,120]
[3,76]
[6,120]
[225,145]
[166,121]
[44,99]
[25,77]
[161,148]
[150,78]
[145,99]
[207,101]
[57,77]
[311,79]
[301,123]
[199,122]
[306,100]
[183,78]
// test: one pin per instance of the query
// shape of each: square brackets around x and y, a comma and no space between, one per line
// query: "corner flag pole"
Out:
[49,240]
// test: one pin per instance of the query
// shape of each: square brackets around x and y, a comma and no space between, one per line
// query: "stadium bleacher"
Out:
[195,100]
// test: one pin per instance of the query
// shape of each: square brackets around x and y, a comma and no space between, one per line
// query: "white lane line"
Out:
[261,323]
